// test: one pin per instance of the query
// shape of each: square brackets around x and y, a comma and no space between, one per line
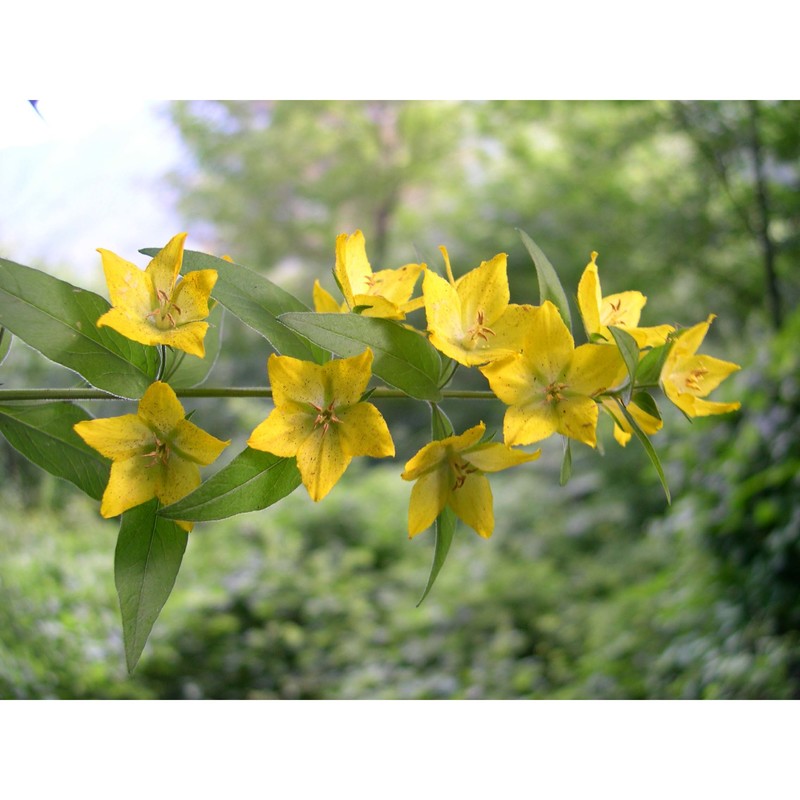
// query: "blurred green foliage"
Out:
[597,590]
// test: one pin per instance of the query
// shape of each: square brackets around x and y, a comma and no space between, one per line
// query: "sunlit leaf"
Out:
[58,319]
[5,343]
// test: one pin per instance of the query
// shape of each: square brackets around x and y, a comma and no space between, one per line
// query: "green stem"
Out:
[211,391]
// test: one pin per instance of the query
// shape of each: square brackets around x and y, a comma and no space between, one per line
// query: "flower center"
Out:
[479,330]
[160,454]
[461,469]
[553,393]
[162,315]
[694,379]
[325,416]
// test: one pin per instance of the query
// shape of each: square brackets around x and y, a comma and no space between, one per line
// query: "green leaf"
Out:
[646,403]
[146,562]
[648,372]
[550,287]
[255,300]
[445,525]
[566,464]
[43,433]
[185,370]
[444,530]
[646,443]
[5,343]
[58,319]
[252,481]
[403,358]
[628,349]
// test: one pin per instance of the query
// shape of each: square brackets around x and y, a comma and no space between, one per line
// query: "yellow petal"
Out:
[528,424]
[324,302]
[194,444]
[623,309]
[363,432]
[696,407]
[164,268]
[352,268]
[137,329]
[653,336]
[428,458]
[595,368]
[129,288]
[116,437]
[283,431]
[294,380]
[321,461]
[577,418]
[178,477]
[346,379]
[589,297]
[514,382]
[160,409]
[373,306]
[443,313]
[428,497]
[190,298]
[187,337]
[493,457]
[472,502]
[484,289]
[131,483]
[548,346]
[396,285]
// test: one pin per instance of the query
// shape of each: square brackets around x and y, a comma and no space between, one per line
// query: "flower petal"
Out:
[428,497]
[346,379]
[396,285]
[363,432]
[426,459]
[190,298]
[595,368]
[116,437]
[528,424]
[548,346]
[321,461]
[195,444]
[484,290]
[131,483]
[623,309]
[589,297]
[577,418]
[472,502]
[160,409]
[164,268]
[294,380]
[129,287]
[177,478]
[324,302]
[352,268]
[283,431]
[513,381]
[494,456]
[443,314]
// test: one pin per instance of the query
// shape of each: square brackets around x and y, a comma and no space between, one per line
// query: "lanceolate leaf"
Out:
[43,433]
[184,370]
[252,481]
[628,349]
[58,319]
[566,463]
[648,446]
[550,287]
[402,358]
[148,556]
[649,370]
[445,525]
[5,343]
[254,300]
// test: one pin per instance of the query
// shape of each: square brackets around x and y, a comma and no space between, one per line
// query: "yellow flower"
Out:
[154,307]
[319,418]
[155,452]
[622,428]
[686,377]
[451,472]
[325,302]
[471,320]
[551,386]
[387,293]
[620,310]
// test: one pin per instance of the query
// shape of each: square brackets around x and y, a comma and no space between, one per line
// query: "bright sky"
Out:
[84,174]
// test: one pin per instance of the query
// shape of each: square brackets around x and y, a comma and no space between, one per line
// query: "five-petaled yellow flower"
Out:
[470,319]
[319,418]
[154,307]
[451,472]
[686,378]
[386,293]
[620,310]
[552,386]
[155,452]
